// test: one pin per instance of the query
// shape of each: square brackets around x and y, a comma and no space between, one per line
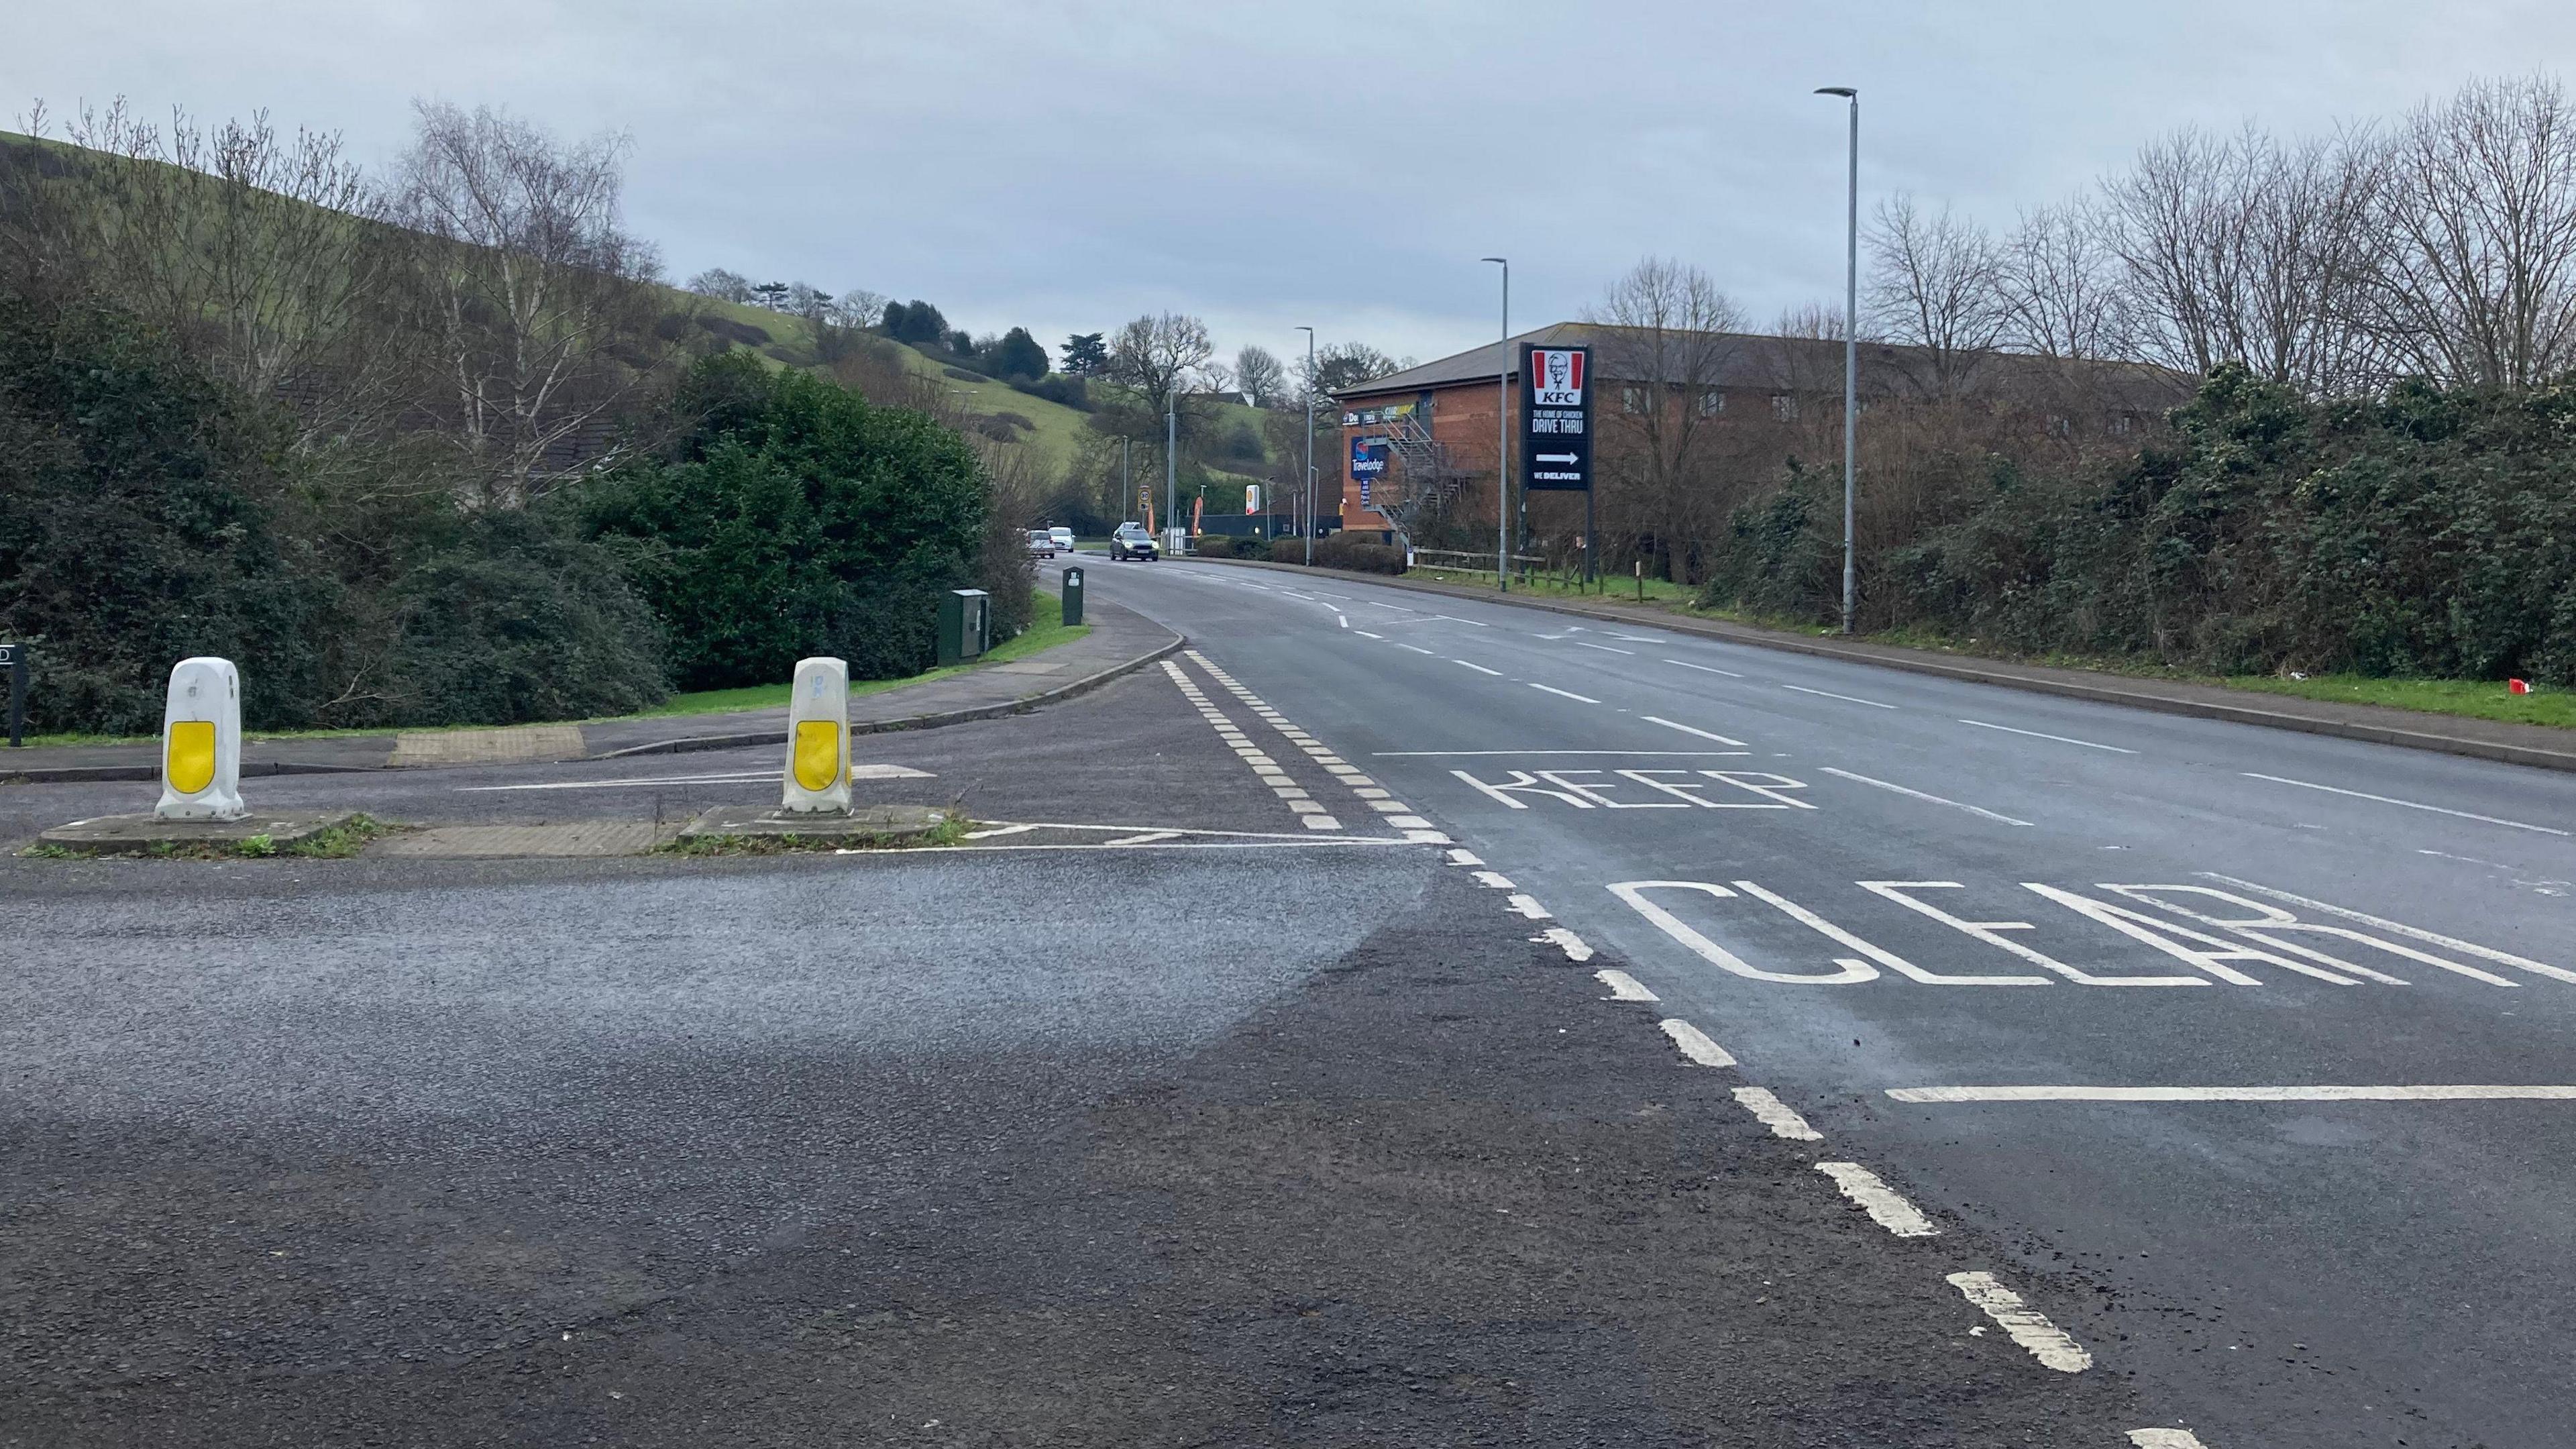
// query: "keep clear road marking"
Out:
[2409,804]
[1845,698]
[1480,669]
[1885,1205]
[2506,958]
[2046,1341]
[2036,735]
[1688,730]
[2233,1094]
[1704,669]
[1919,795]
[1569,694]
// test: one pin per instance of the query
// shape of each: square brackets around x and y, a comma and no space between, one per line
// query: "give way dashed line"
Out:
[1396,813]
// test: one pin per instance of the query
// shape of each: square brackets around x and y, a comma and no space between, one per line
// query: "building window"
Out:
[2058,427]
[1632,399]
[2120,424]
[1784,407]
[1711,403]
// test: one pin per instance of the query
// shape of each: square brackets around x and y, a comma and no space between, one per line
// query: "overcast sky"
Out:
[1065,165]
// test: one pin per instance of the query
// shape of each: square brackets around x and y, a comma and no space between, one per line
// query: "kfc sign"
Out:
[1558,372]
[1556,419]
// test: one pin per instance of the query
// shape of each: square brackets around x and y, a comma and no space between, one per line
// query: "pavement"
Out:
[2258,1046]
[1119,641]
[1153,1115]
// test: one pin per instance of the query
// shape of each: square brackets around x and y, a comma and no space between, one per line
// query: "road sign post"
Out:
[13,660]
[1556,428]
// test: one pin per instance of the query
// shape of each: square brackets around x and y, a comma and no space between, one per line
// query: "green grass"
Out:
[2472,698]
[1045,632]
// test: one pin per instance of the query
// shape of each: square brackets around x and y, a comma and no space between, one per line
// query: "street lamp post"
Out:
[1502,439]
[1171,456]
[1310,445]
[1851,345]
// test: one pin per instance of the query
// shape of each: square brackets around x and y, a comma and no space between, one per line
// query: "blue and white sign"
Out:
[1368,463]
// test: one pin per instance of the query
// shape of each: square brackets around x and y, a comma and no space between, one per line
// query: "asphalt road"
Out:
[1205,1097]
[1863,882]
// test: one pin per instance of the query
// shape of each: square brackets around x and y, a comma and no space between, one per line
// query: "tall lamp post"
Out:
[1503,439]
[1851,344]
[1310,445]
[1171,457]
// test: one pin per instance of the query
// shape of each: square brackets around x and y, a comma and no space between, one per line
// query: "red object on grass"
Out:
[2517,686]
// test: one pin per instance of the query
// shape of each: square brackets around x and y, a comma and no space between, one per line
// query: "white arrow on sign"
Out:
[1556,457]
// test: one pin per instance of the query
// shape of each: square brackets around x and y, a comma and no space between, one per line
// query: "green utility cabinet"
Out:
[965,625]
[1073,596]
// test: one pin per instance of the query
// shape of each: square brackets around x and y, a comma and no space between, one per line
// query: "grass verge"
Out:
[340,842]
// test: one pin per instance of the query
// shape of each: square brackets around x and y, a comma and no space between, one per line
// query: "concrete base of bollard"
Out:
[867,825]
[140,834]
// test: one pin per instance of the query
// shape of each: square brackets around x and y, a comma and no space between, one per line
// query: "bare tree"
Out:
[1936,285]
[2477,279]
[531,293]
[1811,321]
[2059,285]
[1669,334]
[722,285]
[1259,374]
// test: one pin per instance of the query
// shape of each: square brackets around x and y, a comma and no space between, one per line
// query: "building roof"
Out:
[1784,364]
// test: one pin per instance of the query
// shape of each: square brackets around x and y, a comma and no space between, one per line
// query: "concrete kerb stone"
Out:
[140,834]
[867,825]
[1884,654]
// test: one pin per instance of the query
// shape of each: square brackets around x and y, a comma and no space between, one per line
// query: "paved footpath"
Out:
[1120,640]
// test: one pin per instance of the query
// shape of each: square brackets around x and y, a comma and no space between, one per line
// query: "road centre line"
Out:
[1695,1044]
[2047,1342]
[1569,694]
[1604,648]
[1363,633]
[1775,1114]
[1341,618]
[2061,739]
[1885,1205]
[1416,648]
[1480,669]
[2556,973]
[1704,669]
[1919,795]
[1689,730]
[1846,698]
[2409,804]
[2420,1093]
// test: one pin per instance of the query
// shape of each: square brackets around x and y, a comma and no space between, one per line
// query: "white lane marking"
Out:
[1604,648]
[1168,829]
[1695,1044]
[1704,669]
[2061,739]
[1564,940]
[1569,694]
[1885,1205]
[1465,857]
[1919,795]
[2556,973]
[1321,822]
[1341,619]
[1883,957]
[1148,838]
[1638,638]
[1454,619]
[1284,844]
[2165,1439]
[2409,804]
[1416,648]
[2446,1092]
[1528,905]
[1637,754]
[1363,633]
[728,777]
[1688,730]
[1480,669]
[2031,1329]
[1845,698]
[1494,880]
[997,830]
[1624,987]
[1775,1114]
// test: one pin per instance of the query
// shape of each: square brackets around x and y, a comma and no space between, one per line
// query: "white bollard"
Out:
[201,743]
[818,738]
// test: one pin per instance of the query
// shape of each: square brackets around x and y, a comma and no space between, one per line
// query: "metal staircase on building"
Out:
[1431,472]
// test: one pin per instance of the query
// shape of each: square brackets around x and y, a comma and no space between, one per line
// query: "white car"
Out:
[1063,539]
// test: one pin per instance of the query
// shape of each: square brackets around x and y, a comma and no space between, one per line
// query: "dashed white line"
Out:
[2410,804]
[1624,987]
[1779,1116]
[1494,880]
[2443,1092]
[1695,1044]
[1704,669]
[1363,633]
[2031,1329]
[1845,698]
[1569,694]
[1342,620]
[1480,669]
[1604,648]
[2165,1439]
[1416,648]
[1528,905]
[1689,730]
[2061,739]
[1564,940]
[1919,795]
[1885,1206]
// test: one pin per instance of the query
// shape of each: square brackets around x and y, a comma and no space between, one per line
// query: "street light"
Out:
[1851,343]
[1502,439]
[1310,445]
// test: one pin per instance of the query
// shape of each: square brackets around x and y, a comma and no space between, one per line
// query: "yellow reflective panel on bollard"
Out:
[191,764]
[818,753]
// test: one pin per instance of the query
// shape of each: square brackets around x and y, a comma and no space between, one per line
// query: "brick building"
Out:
[1422,442]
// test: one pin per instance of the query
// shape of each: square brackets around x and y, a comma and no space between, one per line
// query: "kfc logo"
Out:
[1558,374]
